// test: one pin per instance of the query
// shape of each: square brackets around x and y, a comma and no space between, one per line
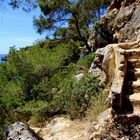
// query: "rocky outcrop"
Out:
[116,62]
[121,63]
[120,24]
[100,37]
[127,23]
[60,128]
[20,131]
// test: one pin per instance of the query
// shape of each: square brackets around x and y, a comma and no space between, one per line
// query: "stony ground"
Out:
[63,128]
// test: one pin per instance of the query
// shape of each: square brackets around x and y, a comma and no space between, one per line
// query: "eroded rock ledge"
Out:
[120,64]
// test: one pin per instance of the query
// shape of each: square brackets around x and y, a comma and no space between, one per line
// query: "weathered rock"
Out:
[20,131]
[83,51]
[101,75]
[121,65]
[99,127]
[108,18]
[123,16]
[62,128]
[131,30]
[105,116]
[123,127]
[127,21]
[110,65]
[114,4]
[100,37]
[103,65]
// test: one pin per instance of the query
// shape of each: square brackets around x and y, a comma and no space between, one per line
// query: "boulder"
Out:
[126,21]
[103,64]
[122,127]
[20,131]
[121,20]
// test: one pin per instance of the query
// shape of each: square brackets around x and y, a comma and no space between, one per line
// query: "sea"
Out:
[2,55]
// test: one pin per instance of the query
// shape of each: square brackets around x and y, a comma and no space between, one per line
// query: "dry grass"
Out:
[98,105]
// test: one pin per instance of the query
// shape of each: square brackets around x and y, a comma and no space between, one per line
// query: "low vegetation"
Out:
[39,82]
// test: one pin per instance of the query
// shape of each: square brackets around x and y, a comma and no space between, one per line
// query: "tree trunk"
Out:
[80,34]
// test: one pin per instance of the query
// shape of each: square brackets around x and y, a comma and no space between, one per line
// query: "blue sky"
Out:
[16,28]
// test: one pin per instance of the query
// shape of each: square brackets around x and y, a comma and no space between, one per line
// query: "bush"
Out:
[26,72]
[37,83]
[86,60]
[74,96]
[33,107]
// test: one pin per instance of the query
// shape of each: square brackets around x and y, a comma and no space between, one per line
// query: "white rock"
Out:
[79,76]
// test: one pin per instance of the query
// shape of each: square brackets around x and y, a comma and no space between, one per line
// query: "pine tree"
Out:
[75,17]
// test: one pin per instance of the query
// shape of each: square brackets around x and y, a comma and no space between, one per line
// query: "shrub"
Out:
[74,96]
[86,60]
[33,107]
[37,83]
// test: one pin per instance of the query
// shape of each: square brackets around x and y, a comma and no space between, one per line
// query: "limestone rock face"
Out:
[128,19]
[123,16]
[112,62]
[120,24]
[100,37]
[120,61]
[118,65]
[104,63]
[20,131]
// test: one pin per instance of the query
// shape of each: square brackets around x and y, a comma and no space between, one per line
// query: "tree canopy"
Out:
[70,19]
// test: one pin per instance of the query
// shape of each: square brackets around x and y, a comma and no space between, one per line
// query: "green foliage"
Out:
[26,5]
[69,19]
[74,96]
[38,82]
[33,107]
[25,79]
[86,60]
[36,63]
[11,98]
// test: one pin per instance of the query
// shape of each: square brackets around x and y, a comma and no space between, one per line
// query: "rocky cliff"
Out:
[118,65]
[112,62]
